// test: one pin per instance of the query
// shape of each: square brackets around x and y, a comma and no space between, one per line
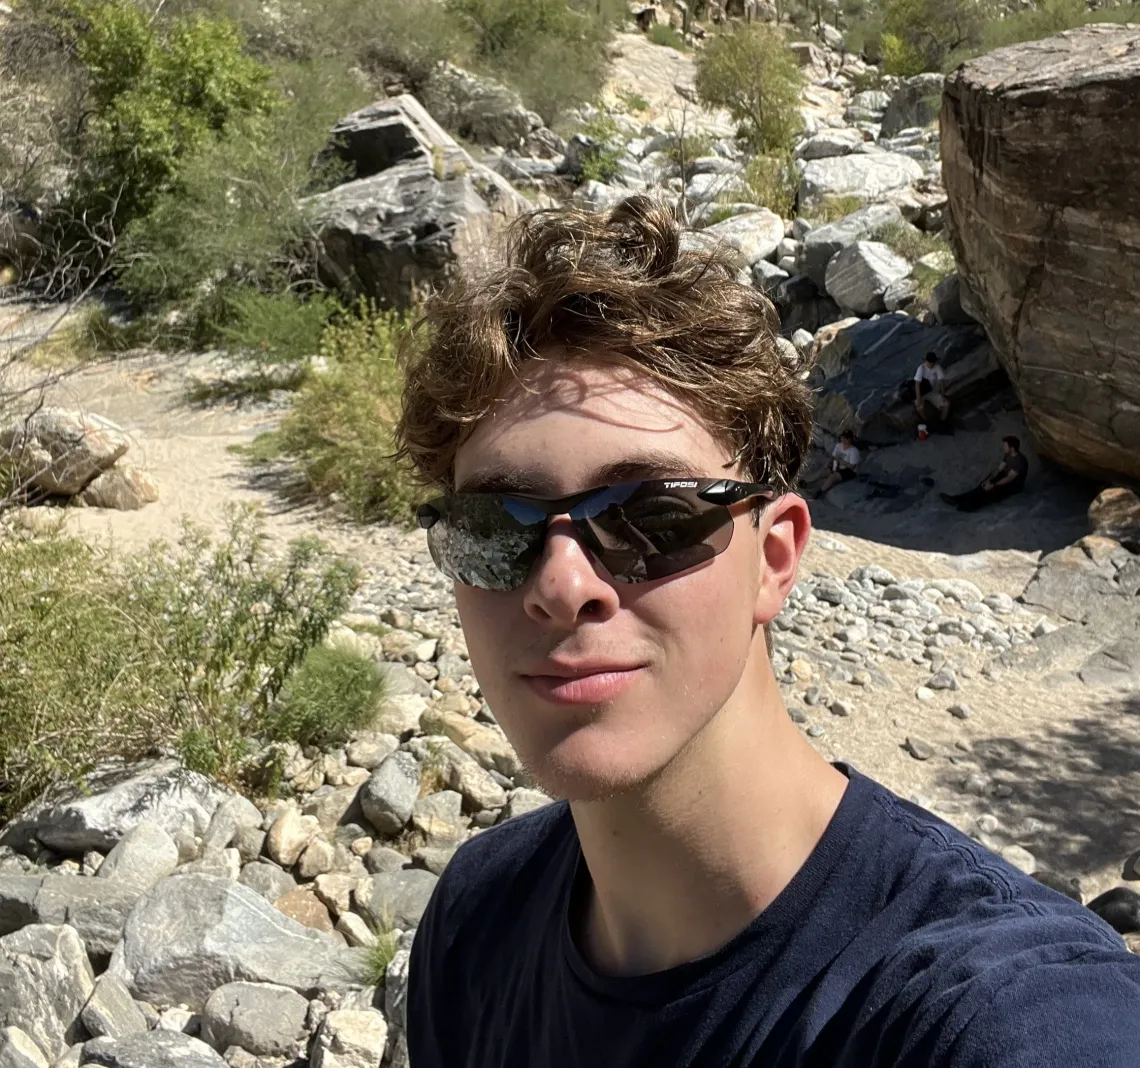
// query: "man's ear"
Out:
[785,526]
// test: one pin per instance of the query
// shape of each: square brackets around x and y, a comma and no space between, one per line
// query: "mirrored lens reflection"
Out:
[487,540]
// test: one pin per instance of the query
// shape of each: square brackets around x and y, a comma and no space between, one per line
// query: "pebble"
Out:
[814,696]
[924,693]
[1132,867]
[960,711]
[1020,858]
[841,708]
[988,823]
[815,731]
[918,748]
[801,669]
[798,715]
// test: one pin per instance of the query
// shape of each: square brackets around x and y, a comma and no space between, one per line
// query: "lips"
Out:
[582,683]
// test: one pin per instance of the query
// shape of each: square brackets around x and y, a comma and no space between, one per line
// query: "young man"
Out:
[928,379]
[1007,480]
[844,461]
[617,441]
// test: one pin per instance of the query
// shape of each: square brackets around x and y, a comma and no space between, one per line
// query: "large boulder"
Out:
[45,980]
[112,801]
[258,1017]
[1115,513]
[861,367]
[841,141]
[96,908]
[194,933]
[824,242]
[478,108]
[59,451]
[865,174]
[914,103]
[1040,153]
[858,276]
[145,854]
[158,1049]
[419,208]
[752,236]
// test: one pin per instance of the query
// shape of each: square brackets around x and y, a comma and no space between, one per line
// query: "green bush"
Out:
[919,35]
[1044,19]
[333,692]
[833,207]
[158,93]
[661,33]
[339,432]
[752,75]
[910,242]
[183,648]
[773,182]
[689,148]
[235,219]
[600,162]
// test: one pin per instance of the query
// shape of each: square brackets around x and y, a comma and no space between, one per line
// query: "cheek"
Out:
[485,617]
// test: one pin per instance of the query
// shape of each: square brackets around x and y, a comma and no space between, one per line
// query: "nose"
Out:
[565,586]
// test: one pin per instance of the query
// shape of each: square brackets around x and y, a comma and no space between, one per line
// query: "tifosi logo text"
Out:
[680,485]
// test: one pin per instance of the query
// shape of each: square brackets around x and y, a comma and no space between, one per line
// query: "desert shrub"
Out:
[632,100]
[600,162]
[908,241]
[181,648]
[235,219]
[275,329]
[333,692]
[689,148]
[752,75]
[377,957]
[833,207]
[1043,19]
[339,432]
[773,182]
[919,35]
[661,33]
[157,94]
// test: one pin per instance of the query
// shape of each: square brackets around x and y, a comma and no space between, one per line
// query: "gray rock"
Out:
[824,242]
[867,175]
[158,1049]
[290,834]
[915,102]
[381,859]
[370,750]
[192,934]
[802,340]
[115,800]
[900,294]
[391,793]
[946,302]
[60,451]
[453,666]
[960,711]
[111,1012]
[598,196]
[767,276]
[350,1038]
[419,208]
[145,854]
[943,680]
[222,863]
[833,141]
[97,909]
[524,800]
[858,276]
[45,980]
[18,1050]
[396,990]
[842,708]
[234,814]
[258,1017]
[336,809]
[438,816]
[397,899]
[479,109]
[919,749]
[753,236]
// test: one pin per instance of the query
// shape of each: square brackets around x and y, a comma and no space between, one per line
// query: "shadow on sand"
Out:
[1078,777]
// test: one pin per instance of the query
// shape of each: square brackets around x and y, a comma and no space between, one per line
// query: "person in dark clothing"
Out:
[617,511]
[1007,480]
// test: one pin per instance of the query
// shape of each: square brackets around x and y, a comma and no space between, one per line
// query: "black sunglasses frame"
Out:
[721,492]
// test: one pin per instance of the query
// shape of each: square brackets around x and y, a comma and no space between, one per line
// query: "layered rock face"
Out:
[1040,153]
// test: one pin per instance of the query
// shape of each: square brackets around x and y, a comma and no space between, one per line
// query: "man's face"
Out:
[1005,449]
[649,665]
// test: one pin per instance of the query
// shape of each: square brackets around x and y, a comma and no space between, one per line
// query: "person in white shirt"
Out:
[929,379]
[844,460]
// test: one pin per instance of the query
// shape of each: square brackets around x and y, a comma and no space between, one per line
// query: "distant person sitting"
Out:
[1007,480]
[844,460]
[929,379]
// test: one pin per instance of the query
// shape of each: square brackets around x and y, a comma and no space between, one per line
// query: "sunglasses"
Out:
[638,531]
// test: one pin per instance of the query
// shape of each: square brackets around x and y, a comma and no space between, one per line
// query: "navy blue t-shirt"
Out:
[899,943]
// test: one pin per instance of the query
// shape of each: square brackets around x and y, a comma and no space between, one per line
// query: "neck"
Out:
[687,862]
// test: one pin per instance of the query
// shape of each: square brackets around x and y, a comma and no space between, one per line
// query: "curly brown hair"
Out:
[629,286]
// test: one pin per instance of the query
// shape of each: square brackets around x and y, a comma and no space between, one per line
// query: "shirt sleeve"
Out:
[427,1027]
[853,456]
[1072,1013]
[918,373]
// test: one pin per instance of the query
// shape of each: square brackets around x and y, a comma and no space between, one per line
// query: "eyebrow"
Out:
[642,465]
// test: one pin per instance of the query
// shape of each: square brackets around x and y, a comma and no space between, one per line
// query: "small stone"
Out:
[350,1038]
[1002,790]
[290,834]
[842,708]
[988,823]
[814,696]
[304,906]
[815,731]
[397,618]
[919,749]
[434,858]
[316,860]
[960,711]
[425,650]
[975,783]
[801,669]
[382,858]
[111,1011]
[356,932]
[524,800]
[19,1050]
[924,693]
[798,715]
[1020,858]
[400,713]
[360,846]
[1132,867]
[437,817]
[261,1018]
[369,750]
[390,795]
[267,879]
[860,678]
[943,680]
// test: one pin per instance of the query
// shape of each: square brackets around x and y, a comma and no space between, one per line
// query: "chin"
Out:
[592,764]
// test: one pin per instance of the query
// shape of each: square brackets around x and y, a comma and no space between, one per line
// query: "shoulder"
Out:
[990,966]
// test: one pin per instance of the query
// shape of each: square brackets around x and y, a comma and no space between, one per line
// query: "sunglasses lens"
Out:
[486,540]
[649,530]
